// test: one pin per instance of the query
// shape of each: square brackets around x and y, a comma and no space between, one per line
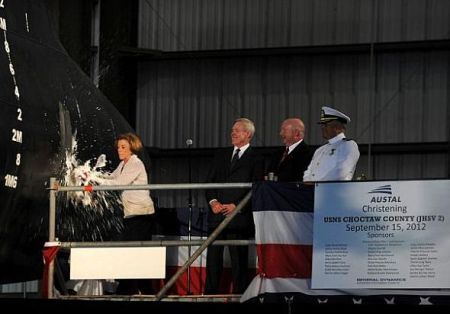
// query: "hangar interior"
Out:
[186,69]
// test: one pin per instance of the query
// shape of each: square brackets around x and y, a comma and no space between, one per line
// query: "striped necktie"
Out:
[285,154]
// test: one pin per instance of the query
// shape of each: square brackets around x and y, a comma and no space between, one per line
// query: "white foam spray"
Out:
[88,215]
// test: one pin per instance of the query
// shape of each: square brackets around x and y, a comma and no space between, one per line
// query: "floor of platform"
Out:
[221,298]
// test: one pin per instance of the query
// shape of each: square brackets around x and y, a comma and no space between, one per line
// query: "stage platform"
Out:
[198,305]
[220,298]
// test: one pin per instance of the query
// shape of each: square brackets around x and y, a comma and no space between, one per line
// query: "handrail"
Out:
[51,236]
[199,251]
[175,186]
[154,243]
[54,188]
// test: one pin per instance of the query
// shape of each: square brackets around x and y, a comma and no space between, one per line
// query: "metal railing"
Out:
[55,188]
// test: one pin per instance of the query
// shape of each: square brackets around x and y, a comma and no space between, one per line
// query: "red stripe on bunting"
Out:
[197,280]
[284,260]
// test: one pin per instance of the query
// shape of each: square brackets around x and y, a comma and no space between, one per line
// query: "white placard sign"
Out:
[391,234]
[118,263]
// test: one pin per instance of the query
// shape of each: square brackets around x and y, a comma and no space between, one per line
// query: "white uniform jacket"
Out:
[334,161]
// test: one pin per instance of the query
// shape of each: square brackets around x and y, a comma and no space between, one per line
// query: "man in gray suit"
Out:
[238,163]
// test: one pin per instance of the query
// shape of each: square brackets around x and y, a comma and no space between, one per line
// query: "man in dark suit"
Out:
[239,163]
[289,162]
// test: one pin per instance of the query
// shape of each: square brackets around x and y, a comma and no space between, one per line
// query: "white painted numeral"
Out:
[17,136]
[2,5]
[11,181]
[18,159]
[19,114]
[3,23]
[16,92]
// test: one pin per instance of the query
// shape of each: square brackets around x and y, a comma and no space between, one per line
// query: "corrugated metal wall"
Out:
[174,25]
[25,289]
[392,96]
[200,99]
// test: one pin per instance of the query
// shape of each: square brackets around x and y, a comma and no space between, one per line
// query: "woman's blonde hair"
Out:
[134,140]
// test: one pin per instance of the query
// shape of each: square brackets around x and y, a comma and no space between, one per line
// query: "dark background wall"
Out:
[74,21]
[181,69]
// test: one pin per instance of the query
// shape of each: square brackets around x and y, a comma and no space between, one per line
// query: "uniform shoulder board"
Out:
[347,139]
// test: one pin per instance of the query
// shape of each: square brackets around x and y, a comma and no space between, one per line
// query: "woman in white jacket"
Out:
[137,204]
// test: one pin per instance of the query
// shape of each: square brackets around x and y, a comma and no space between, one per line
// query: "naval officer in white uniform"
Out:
[336,160]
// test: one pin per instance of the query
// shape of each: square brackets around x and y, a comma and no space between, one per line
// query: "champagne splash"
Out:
[85,215]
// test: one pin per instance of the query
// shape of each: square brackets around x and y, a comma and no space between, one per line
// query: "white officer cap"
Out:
[329,114]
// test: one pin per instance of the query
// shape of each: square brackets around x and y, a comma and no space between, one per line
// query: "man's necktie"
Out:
[285,153]
[235,158]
